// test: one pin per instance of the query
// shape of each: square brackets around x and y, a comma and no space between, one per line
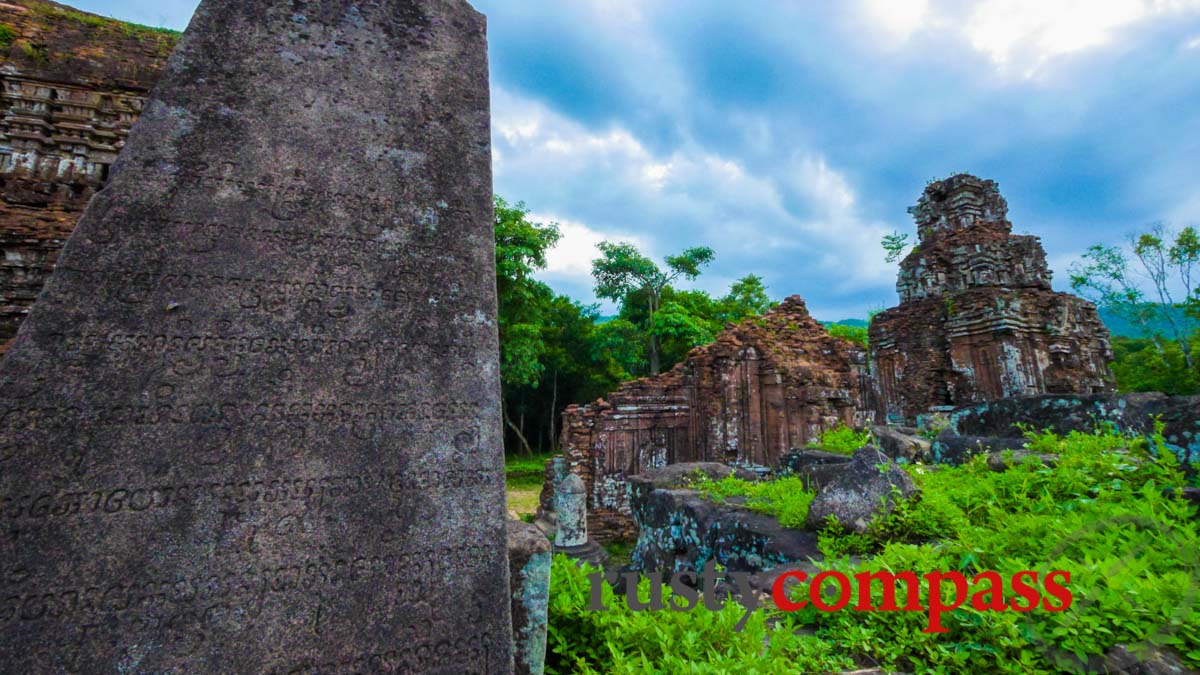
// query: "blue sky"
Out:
[790,136]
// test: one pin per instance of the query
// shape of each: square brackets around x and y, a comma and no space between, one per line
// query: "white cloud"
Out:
[799,227]
[898,19]
[1194,43]
[572,257]
[826,186]
[1018,36]
[1023,35]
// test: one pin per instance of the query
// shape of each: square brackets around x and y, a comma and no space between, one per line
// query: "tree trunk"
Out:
[553,408]
[528,451]
[654,361]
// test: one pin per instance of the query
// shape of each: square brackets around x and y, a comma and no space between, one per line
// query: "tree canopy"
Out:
[1150,281]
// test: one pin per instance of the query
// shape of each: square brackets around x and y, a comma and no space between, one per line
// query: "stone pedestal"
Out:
[556,471]
[570,503]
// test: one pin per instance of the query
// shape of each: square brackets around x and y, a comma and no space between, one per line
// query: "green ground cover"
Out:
[842,440]
[1107,513]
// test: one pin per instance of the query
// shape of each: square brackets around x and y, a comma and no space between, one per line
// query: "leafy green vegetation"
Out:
[894,246]
[7,35]
[1139,365]
[700,641]
[164,38]
[857,334]
[1100,514]
[1106,513]
[842,440]
[548,342]
[555,351]
[785,498]
[1149,285]
[35,52]
[622,270]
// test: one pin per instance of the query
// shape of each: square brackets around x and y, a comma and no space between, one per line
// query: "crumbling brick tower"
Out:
[71,86]
[764,386]
[977,318]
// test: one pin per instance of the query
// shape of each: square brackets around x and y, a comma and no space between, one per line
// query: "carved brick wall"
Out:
[764,387]
[70,89]
[978,319]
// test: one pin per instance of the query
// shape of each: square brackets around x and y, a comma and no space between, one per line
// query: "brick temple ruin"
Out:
[977,318]
[765,386]
[71,86]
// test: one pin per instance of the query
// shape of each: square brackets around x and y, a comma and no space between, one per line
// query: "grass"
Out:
[523,481]
[133,30]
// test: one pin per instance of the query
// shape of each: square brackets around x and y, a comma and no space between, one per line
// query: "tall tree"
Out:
[521,247]
[622,270]
[1150,282]
[747,297]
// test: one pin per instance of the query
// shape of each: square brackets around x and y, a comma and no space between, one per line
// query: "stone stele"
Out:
[252,422]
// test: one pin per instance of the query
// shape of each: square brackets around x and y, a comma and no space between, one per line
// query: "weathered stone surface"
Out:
[1005,460]
[1063,414]
[571,535]
[1150,660]
[570,503]
[765,386]
[680,530]
[252,424]
[556,470]
[682,475]
[71,86]
[814,467]
[977,318]
[529,571]
[901,446]
[861,492]
[951,448]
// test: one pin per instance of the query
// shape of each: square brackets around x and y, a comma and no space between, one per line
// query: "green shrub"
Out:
[842,440]
[1100,514]
[1105,513]
[698,641]
[856,334]
[7,35]
[786,498]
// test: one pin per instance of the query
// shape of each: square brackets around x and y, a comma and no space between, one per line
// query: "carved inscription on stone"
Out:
[252,423]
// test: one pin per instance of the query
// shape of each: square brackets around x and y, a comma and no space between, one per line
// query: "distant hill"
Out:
[1119,326]
[856,323]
